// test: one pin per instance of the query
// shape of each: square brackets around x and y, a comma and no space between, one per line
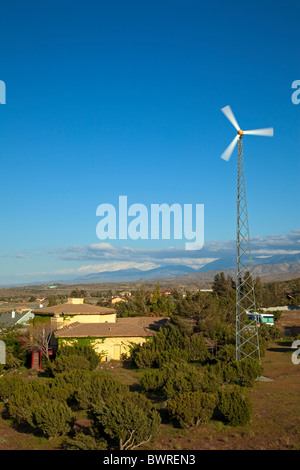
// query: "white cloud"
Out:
[101,246]
[100,257]
[267,253]
[115,266]
[195,263]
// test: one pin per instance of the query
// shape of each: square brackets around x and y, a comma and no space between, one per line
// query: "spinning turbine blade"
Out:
[268,132]
[229,114]
[227,154]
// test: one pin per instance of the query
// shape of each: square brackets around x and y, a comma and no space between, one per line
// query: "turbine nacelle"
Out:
[268,132]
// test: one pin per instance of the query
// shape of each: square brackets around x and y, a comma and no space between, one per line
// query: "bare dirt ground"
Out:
[290,318]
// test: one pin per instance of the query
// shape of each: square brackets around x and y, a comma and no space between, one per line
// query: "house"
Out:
[109,335]
[75,310]
[112,340]
[13,318]
[115,300]
[21,309]
[125,293]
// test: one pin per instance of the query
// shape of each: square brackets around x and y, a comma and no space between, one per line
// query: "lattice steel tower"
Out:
[247,339]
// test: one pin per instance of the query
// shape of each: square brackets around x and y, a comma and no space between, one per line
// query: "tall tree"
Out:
[258,290]
[223,286]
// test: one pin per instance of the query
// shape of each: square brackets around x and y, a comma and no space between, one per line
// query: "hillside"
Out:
[267,273]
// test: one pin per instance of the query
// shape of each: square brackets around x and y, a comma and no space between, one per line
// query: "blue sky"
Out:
[123,98]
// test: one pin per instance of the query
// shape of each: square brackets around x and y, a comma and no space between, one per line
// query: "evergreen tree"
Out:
[52,300]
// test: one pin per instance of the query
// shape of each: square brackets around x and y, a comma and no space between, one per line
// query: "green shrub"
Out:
[248,370]
[170,344]
[210,382]
[65,385]
[234,406]
[53,418]
[84,350]
[83,441]
[179,377]
[171,355]
[182,378]
[24,398]
[242,372]
[198,349]
[226,371]
[68,363]
[20,404]
[74,378]
[12,360]
[226,353]
[98,389]
[170,338]
[270,332]
[153,381]
[191,409]
[277,315]
[9,385]
[144,356]
[224,334]
[128,421]
[15,354]
[62,388]
[40,385]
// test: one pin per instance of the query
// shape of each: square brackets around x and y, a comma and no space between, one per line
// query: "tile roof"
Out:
[130,327]
[75,309]
[7,320]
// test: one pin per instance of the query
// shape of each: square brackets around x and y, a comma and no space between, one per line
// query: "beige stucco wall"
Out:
[111,347]
[115,347]
[75,301]
[110,318]
[67,320]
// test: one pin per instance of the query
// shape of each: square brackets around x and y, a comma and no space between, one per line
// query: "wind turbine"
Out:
[266,132]
[247,340]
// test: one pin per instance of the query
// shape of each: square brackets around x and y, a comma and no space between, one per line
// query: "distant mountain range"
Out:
[272,268]
[229,262]
[135,274]
[273,265]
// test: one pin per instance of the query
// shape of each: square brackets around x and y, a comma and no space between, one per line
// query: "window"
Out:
[268,320]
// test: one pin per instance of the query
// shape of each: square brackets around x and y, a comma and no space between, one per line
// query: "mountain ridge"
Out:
[263,269]
[277,267]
